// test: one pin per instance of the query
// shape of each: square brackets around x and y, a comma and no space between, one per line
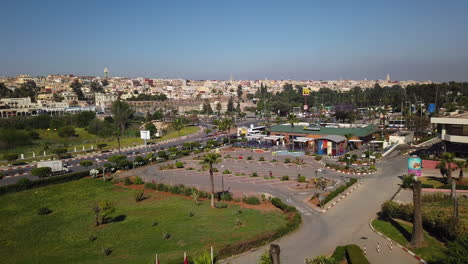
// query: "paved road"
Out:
[15,173]
[347,222]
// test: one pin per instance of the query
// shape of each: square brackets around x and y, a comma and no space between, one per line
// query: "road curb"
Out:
[396,243]
[334,201]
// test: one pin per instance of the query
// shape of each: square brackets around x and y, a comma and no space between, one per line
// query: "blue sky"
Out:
[205,39]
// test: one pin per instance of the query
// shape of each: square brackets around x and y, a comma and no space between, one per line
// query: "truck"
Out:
[57,166]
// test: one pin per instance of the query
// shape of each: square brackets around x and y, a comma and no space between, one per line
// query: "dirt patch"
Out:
[266,207]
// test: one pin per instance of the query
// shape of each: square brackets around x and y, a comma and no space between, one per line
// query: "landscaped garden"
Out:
[57,224]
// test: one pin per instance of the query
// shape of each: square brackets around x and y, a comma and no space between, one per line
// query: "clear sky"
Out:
[256,39]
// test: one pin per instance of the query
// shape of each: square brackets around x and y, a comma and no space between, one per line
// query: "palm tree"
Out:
[292,119]
[178,124]
[461,164]
[208,160]
[121,113]
[348,137]
[226,125]
[448,158]
[417,237]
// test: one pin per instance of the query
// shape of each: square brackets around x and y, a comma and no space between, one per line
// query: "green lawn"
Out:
[400,232]
[52,140]
[63,235]
[434,181]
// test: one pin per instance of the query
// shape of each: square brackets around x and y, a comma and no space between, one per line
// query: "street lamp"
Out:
[222,178]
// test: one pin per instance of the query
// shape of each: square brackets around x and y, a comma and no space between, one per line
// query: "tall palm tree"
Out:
[121,113]
[226,125]
[461,164]
[448,158]
[292,119]
[417,237]
[209,159]
[178,124]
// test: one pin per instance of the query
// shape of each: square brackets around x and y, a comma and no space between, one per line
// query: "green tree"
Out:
[179,123]
[105,82]
[10,157]
[76,87]
[66,131]
[57,98]
[152,129]
[230,105]
[96,87]
[121,113]
[292,119]
[448,158]
[239,92]
[102,210]
[461,164]
[4,91]
[27,89]
[83,119]
[207,107]
[218,108]
[209,160]
[100,146]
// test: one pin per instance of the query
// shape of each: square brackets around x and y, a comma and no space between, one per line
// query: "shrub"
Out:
[282,206]
[457,251]
[150,185]
[261,159]
[226,196]
[138,180]
[221,205]
[254,174]
[92,238]
[301,178]
[285,178]
[264,258]
[127,181]
[66,131]
[287,160]
[86,163]
[425,185]
[354,255]
[249,158]
[41,172]
[59,151]
[179,164]
[338,190]
[318,158]
[226,171]
[408,181]
[1,175]
[139,196]
[44,211]
[339,254]
[251,200]
[101,145]
[107,251]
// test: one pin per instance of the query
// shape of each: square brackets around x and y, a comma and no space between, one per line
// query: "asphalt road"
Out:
[320,233]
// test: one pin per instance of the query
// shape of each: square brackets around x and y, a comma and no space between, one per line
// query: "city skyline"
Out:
[250,41]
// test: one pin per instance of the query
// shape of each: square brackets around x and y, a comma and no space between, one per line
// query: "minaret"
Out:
[388,77]
[106,73]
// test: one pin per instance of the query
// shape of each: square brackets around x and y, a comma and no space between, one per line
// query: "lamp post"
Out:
[222,179]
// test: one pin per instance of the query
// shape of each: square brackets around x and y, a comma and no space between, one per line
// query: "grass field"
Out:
[400,232]
[52,140]
[63,235]
[446,206]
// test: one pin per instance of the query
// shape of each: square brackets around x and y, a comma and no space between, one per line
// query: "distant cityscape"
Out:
[55,94]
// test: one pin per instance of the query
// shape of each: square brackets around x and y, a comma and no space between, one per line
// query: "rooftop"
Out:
[355,131]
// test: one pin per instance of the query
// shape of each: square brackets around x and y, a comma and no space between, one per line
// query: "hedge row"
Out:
[446,186]
[25,184]
[339,190]
[176,189]
[294,220]
[354,255]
